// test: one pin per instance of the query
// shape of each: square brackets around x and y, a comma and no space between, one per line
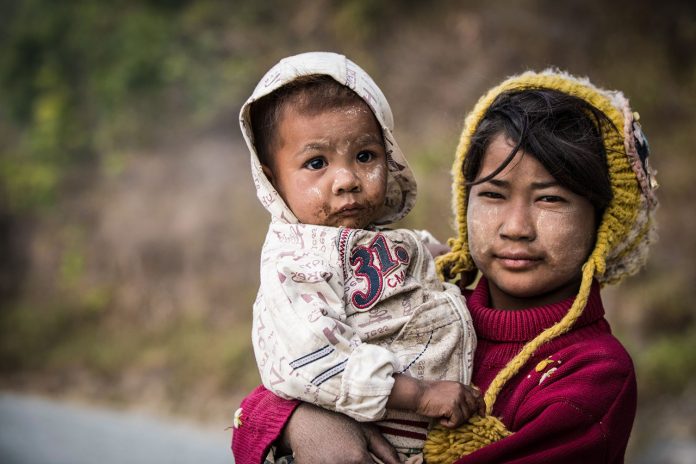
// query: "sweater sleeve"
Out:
[259,422]
[561,433]
[306,350]
[581,412]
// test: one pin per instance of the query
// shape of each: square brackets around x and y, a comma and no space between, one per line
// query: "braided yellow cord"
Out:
[562,326]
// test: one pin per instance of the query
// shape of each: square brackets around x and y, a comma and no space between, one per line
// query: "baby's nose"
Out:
[345,180]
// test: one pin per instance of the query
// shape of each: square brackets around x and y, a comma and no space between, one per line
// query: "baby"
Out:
[350,316]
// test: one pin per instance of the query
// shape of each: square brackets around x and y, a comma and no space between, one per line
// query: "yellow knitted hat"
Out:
[623,236]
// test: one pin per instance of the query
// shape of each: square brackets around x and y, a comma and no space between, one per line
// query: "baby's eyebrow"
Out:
[314,146]
[368,138]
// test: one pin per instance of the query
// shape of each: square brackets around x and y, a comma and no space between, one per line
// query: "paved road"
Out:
[39,431]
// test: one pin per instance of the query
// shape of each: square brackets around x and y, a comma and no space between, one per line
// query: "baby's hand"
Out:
[452,402]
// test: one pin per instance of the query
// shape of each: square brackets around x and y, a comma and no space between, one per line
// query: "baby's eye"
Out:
[365,156]
[315,163]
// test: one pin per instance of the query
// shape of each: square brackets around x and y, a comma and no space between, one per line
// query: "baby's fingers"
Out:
[455,419]
[480,403]
[470,403]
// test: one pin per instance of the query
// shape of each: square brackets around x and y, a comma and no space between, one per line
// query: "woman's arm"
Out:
[561,433]
[318,436]
[315,435]
[258,424]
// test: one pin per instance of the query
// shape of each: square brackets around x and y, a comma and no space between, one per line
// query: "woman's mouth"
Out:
[517,261]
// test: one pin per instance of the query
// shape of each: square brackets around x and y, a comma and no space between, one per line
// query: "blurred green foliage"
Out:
[79,79]
[667,364]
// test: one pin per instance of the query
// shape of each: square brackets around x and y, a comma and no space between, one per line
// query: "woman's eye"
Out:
[488,194]
[365,156]
[551,199]
[315,163]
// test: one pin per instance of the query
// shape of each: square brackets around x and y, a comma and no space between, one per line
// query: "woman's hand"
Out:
[316,435]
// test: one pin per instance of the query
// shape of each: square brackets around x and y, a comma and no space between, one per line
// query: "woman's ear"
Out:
[269,174]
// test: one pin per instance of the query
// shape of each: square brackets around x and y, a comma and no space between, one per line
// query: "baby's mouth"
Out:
[351,209]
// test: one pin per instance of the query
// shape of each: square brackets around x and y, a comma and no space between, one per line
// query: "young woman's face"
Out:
[527,234]
[331,168]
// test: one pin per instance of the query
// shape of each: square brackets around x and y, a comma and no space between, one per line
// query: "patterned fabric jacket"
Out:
[341,310]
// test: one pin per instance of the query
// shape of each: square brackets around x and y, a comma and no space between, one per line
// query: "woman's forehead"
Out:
[523,164]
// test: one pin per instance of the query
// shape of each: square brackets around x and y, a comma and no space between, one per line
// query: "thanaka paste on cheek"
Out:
[567,238]
[377,175]
[481,233]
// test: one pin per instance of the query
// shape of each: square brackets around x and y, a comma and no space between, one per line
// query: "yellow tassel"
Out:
[445,446]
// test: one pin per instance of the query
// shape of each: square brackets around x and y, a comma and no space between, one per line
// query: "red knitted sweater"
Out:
[573,402]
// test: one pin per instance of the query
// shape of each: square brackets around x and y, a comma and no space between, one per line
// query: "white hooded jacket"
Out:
[339,310]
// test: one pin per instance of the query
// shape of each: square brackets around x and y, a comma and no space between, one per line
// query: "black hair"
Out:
[309,94]
[563,132]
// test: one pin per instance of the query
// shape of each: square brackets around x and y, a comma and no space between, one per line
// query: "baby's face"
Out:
[331,167]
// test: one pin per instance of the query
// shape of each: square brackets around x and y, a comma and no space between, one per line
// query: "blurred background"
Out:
[129,228]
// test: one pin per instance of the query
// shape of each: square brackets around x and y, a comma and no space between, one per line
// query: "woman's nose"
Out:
[518,223]
[345,180]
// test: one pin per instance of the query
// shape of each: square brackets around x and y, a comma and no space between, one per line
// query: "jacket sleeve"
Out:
[258,424]
[306,350]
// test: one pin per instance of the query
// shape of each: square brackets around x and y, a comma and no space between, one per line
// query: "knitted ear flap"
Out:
[623,236]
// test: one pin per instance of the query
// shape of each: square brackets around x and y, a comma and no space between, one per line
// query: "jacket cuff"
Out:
[367,383]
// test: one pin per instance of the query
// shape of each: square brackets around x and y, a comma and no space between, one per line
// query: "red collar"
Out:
[525,324]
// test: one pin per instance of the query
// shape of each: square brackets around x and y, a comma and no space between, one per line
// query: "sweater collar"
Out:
[525,324]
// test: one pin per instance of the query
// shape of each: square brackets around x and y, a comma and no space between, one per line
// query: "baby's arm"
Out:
[306,350]
[434,246]
[451,402]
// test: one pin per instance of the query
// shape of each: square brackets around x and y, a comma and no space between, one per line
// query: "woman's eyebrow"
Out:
[543,185]
[499,182]
[535,185]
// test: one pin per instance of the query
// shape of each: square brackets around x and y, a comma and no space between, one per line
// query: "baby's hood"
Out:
[401,184]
